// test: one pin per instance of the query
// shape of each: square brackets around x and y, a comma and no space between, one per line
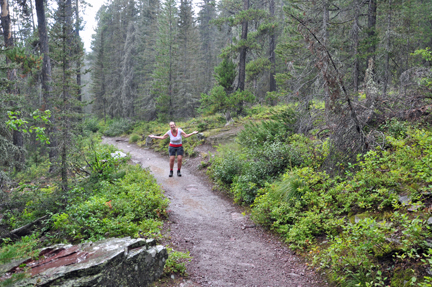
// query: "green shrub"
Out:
[307,204]
[134,138]
[227,166]
[125,207]
[353,256]
[118,127]
[24,248]
[176,262]
[91,124]
[395,128]
[269,162]
[278,129]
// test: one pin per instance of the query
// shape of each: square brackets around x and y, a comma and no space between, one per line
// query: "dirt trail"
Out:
[227,248]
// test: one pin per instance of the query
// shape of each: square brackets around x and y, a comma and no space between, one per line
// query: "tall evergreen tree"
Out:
[11,73]
[166,69]
[65,84]
[208,34]
[146,58]
[190,76]
[129,89]
[46,79]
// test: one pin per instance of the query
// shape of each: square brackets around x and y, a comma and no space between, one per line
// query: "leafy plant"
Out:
[128,206]
[176,262]
[134,138]
[26,247]
[118,127]
[91,124]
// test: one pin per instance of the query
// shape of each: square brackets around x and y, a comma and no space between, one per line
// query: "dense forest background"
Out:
[344,64]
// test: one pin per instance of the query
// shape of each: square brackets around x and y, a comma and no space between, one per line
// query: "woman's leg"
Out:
[172,158]
[179,161]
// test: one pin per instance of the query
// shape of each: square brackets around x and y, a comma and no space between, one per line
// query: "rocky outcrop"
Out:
[112,262]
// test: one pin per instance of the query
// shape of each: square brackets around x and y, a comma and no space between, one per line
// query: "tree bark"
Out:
[243,50]
[387,55]
[372,14]
[170,74]
[327,100]
[272,56]
[67,44]
[17,136]
[355,33]
[46,78]
[78,51]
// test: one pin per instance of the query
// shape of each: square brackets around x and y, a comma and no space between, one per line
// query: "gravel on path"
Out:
[227,248]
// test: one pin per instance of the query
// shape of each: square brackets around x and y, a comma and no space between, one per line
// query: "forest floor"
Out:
[227,248]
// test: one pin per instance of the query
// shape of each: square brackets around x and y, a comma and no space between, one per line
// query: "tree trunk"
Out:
[67,44]
[327,103]
[170,74]
[243,50]
[272,56]
[46,79]
[78,51]
[355,34]
[11,73]
[387,54]
[372,14]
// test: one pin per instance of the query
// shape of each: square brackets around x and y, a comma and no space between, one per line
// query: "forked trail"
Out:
[227,249]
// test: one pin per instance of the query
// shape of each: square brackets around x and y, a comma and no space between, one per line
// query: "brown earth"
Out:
[228,249]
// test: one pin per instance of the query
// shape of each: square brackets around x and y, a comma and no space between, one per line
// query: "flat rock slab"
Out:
[111,262]
[227,248]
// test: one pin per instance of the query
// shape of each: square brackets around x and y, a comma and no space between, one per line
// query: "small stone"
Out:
[172,276]
[414,207]
[118,154]
[404,199]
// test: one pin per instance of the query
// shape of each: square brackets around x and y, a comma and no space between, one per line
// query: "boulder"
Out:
[149,141]
[111,262]
[200,136]
[118,154]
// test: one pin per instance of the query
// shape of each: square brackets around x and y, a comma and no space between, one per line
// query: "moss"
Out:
[401,277]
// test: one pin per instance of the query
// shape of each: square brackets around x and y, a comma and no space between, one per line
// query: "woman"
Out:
[175,146]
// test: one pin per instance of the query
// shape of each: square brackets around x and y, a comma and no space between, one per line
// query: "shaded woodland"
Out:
[365,61]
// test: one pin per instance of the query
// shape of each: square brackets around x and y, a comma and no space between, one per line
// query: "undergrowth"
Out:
[367,226]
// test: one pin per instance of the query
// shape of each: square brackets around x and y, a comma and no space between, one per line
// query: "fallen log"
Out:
[23,230]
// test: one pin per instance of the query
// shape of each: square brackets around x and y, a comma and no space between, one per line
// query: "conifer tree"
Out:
[128,89]
[208,34]
[46,79]
[99,59]
[64,84]
[146,58]
[190,75]
[166,68]
[18,140]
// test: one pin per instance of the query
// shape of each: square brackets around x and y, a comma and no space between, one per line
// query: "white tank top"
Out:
[176,140]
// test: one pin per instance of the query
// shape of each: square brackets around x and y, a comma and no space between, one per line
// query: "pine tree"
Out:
[166,69]
[190,76]
[64,77]
[146,59]
[129,85]
[208,34]
[99,58]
